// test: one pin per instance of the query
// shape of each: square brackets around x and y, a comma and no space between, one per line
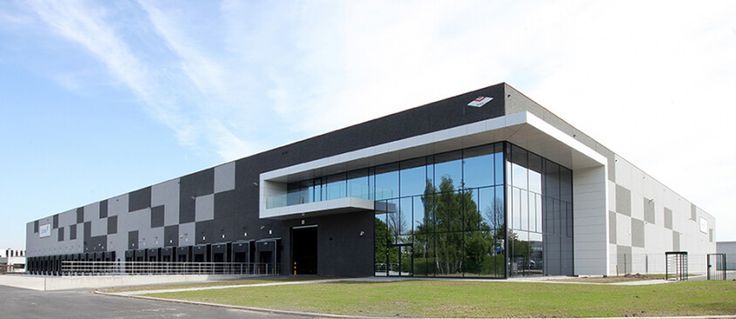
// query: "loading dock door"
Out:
[304,250]
[241,252]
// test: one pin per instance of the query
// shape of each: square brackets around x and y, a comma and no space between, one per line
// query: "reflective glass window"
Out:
[336,187]
[387,181]
[448,171]
[498,163]
[358,184]
[478,167]
[413,177]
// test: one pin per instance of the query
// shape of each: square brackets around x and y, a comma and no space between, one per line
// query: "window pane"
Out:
[336,187]
[448,171]
[472,218]
[387,181]
[298,193]
[536,255]
[422,223]
[448,211]
[535,173]
[480,258]
[498,164]
[405,211]
[423,252]
[381,234]
[486,203]
[449,254]
[524,210]
[516,208]
[358,185]
[478,167]
[538,209]
[413,177]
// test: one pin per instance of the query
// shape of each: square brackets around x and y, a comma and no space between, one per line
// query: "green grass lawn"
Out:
[481,299]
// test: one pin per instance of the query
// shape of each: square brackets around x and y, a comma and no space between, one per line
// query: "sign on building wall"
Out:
[703,225]
[44,230]
[480,101]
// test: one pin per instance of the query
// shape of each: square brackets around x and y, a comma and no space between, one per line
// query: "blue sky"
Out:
[100,98]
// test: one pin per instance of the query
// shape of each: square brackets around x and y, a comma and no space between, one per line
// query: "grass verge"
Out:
[481,299]
[204,284]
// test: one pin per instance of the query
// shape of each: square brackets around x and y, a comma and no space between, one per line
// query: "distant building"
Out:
[13,261]
[487,184]
[728,248]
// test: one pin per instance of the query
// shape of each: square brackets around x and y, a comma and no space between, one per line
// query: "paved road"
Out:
[22,303]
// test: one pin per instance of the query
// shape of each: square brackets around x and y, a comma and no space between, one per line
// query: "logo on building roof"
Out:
[480,101]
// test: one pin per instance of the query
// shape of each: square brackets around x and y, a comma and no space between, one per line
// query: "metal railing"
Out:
[87,268]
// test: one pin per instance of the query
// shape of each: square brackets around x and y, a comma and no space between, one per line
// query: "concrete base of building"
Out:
[42,283]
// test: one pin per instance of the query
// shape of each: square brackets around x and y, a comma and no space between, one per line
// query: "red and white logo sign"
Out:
[480,101]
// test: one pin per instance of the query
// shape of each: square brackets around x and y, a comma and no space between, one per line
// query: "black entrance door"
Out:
[304,250]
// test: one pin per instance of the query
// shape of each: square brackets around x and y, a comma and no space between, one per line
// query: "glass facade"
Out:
[540,215]
[446,215]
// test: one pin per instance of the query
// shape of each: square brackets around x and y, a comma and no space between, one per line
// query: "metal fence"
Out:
[623,264]
[88,268]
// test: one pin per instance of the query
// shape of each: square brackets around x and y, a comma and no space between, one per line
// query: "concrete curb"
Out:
[266,284]
[328,315]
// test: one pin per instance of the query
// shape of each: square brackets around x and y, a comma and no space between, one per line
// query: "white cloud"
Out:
[651,80]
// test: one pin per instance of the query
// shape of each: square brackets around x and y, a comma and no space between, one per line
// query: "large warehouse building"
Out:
[484,184]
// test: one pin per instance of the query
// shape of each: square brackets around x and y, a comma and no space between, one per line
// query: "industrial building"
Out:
[484,184]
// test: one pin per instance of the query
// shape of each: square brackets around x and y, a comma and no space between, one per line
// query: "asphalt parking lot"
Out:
[79,304]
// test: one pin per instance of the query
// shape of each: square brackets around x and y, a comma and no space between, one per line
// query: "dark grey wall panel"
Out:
[139,199]
[171,235]
[623,200]
[157,216]
[637,233]
[225,204]
[87,231]
[649,210]
[623,259]
[112,225]
[55,221]
[133,239]
[103,209]
[35,227]
[612,227]
[80,215]
[191,186]
[96,243]
[667,218]
[72,232]
[675,241]
[693,212]
[60,233]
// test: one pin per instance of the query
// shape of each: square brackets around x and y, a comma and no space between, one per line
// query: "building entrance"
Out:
[304,250]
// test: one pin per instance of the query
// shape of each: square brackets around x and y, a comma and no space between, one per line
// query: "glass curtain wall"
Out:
[448,217]
[446,214]
[540,215]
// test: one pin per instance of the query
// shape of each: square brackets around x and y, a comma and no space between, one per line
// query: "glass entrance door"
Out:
[401,262]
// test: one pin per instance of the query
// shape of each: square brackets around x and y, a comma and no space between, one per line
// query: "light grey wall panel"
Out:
[167,194]
[68,218]
[117,205]
[99,226]
[204,208]
[186,234]
[667,218]
[92,212]
[225,177]
[675,241]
